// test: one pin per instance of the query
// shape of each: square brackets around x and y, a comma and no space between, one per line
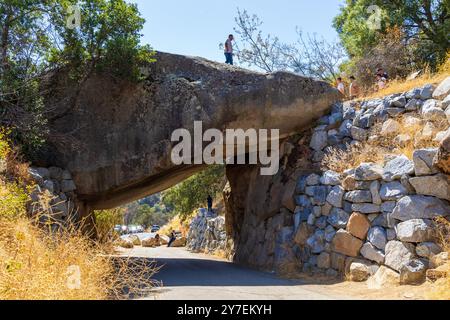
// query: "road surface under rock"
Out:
[190,276]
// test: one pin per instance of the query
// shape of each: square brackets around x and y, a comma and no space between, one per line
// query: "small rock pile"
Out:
[207,233]
[54,194]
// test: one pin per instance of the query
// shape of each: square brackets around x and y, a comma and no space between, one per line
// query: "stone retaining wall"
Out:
[207,233]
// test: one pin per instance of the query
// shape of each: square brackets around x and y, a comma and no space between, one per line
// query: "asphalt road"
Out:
[185,275]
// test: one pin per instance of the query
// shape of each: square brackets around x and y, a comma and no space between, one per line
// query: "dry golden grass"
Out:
[441,289]
[40,266]
[65,265]
[42,259]
[379,145]
[339,160]
[178,223]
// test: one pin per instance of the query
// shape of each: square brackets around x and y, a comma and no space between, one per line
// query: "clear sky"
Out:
[196,27]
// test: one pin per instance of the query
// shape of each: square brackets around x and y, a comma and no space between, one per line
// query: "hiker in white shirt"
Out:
[340,86]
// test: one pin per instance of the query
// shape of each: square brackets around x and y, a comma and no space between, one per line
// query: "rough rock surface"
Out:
[384,276]
[398,253]
[442,159]
[127,162]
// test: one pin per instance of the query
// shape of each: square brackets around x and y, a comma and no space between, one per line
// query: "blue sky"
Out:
[196,27]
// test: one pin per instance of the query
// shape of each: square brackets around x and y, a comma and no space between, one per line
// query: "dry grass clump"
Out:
[178,223]
[65,265]
[441,288]
[43,259]
[41,266]
[340,160]
[415,135]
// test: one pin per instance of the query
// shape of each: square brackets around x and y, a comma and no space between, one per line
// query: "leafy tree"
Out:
[193,192]
[24,41]
[105,220]
[35,37]
[107,39]
[390,53]
[425,22]
[148,216]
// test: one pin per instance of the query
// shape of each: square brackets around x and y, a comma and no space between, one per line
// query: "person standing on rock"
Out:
[229,50]
[210,203]
[340,86]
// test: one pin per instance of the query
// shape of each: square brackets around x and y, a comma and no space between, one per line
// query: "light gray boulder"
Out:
[349,112]
[49,185]
[415,231]
[437,186]
[392,191]
[442,90]
[338,218]
[368,172]
[335,196]
[317,211]
[330,232]
[366,208]
[377,236]
[413,272]
[345,130]
[428,249]
[311,219]
[398,253]
[324,261]
[319,140]
[358,196]
[420,207]
[359,134]
[446,102]
[55,173]
[371,253]
[423,161]
[66,175]
[431,109]
[388,206]
[375,192]
[359,272]
[316,242]
[330,178]
[398,166]
[426,92]
[413,105]
[312,180]
[391,234]
[398,102]
[413,93]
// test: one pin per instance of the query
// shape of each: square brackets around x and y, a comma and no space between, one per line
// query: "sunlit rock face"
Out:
[115,137]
